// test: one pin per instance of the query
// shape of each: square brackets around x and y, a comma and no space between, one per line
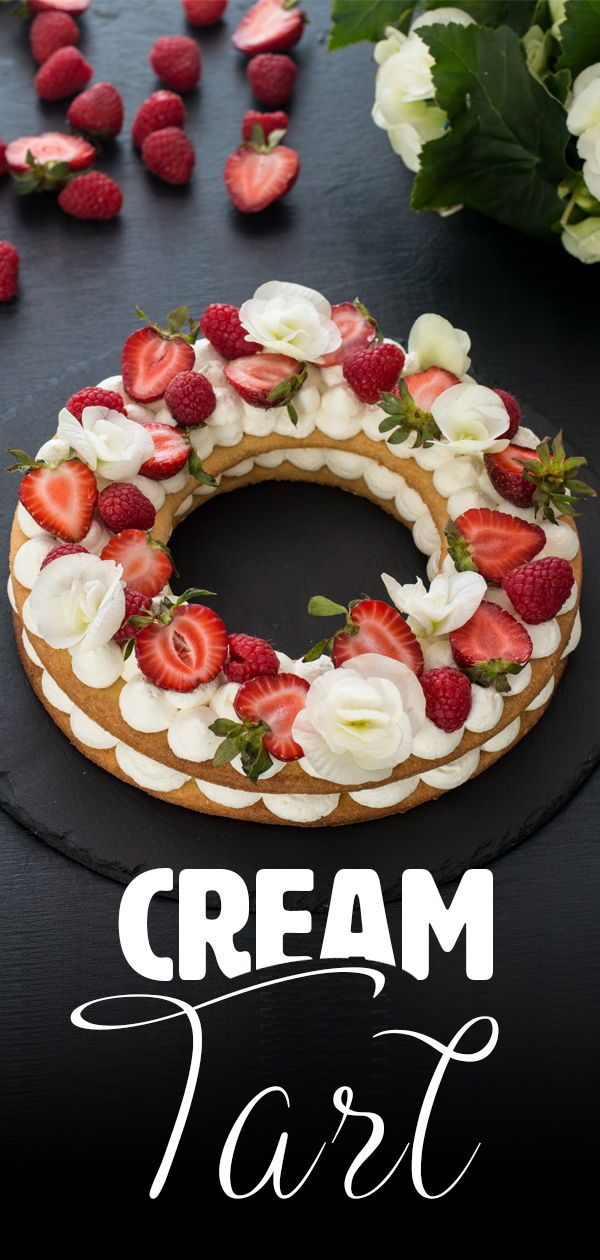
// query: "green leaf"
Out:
[322,648]
[357,20]
[227,750]
[224,726]
[494,13]
[503,153]
[580,36]
[320,606]
[197,470]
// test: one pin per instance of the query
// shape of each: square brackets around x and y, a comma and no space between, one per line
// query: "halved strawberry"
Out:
[50,146]
[60,497]
[146,562]
[505,471]
[183,649]
[425,387]
[171,452]
[357,327]
[380,629]
[255,176]
[492,543]
[266,380]
[269,26]
[152,356]
[75,7]
[490,646]
[276,700]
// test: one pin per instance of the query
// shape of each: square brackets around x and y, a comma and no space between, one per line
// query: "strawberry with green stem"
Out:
[61,497]
[541,478]
[370,625]
[152,356]
[267,706]
[180,645]
[408,406]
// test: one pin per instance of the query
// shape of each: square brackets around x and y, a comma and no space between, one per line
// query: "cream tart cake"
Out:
[406,694]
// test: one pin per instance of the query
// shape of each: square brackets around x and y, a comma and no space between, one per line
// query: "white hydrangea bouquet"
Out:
[493,104]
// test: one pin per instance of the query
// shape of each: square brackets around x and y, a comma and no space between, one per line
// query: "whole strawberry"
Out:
[277,121]
[447,697]
[97,112]
[136,605]
[91,196]
[373,371]
[204,12]
[123,506]
[221,326]
[63,74]
[94,396]
[9,270]
[249,657]
[169,154]
[538,590]
[190,398]
[49,32]
[176,60]
[3,162]
[161,109]
[272,77]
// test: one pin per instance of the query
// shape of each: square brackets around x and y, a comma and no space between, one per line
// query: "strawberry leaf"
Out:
[320,606]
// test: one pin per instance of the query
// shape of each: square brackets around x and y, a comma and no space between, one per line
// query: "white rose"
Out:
[449,603]
[78,601]
[394,39]
[107,441]
[471,417]
[416,123]
[403,77]
[582,240]
[290,319]
[435,343]
[360,720]
[585,108]
[586,77]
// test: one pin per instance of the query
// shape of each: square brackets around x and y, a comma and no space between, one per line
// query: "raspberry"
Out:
[49,32]
[169,154]
[136,605]
[204,12]
[221,326]
[94,396]
[176,60]
[190,398]
[539,589]
[277,121]
[3,162]
[272,77]
[162,109]
[91,196]
[514,412]
[248,657]
[98,112]
[63,74]
[447,697]
[369,372]
[122,506]
[9,270]
[63,549]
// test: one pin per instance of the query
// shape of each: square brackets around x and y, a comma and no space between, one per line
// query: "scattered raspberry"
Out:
[169,153]
[248,658]
[98,112]
[221,326]
[63,74]
[538,590]
[123,506]
[9,270]
[91,196]
[272,77]
[190,398]
[277,121]
[514,412]
[63,549]
[176,60]
[136,605]
[94,396]
[371,371]
[447,697]
[3,162]
[162,109]
[49,32]
[204,12]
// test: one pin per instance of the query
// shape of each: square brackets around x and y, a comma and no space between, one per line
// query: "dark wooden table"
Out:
[89,1116]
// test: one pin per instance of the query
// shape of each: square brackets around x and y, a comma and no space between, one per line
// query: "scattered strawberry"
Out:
[266,123]
[91,196]
[373,371]
[256,175]
[539,590]
[542,478]
[490,646]
[169,154]
[47,161]
[60,497]
[425,387]
[272,78]
[176,60]
[268,707]
[97,112]
[267,380]
[152,356]
[123,506]
[75,7]
[204,12]
[9,270]
[190,398]
[3,162]
[184,646]
[94,396]
[358,330]
[50,31]
[64,549]
[136,605]
[171,452]
[447,697]
[221,326]
[492,543]
[146,562]
[63,74]
[249,657]
[162,109]
[370,626]
[269,26]
[514,412]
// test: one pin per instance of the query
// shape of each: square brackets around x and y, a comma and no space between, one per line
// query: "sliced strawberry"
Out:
[358,330]
[61,498]
[380,629]
[425,387]
[257,376]
[254,179]
[152,356]
[75,7]
[490,646]
[146,562]
[492,543]
[275,700]
[505,471]
[189,650]
[269,26]
[171,452]
[50,146]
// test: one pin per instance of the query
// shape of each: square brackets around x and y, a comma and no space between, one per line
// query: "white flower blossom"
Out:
[107,441]
[450,602]
[588,148]
[584,111]
[435,343]
[582,240]
[290,319]
[471,418]
[78,601]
